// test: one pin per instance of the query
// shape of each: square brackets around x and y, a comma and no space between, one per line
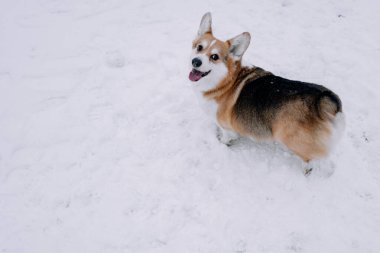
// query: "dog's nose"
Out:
[196,62]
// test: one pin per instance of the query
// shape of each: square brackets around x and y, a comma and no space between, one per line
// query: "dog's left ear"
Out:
[205,26]
[238,45]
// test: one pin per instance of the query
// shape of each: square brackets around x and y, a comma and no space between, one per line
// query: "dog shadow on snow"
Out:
[278,157]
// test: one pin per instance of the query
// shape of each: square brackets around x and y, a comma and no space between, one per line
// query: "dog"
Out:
[252,102]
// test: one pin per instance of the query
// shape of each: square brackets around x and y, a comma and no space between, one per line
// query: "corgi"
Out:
[252,102]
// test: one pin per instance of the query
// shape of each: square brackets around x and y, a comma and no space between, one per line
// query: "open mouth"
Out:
[196,75]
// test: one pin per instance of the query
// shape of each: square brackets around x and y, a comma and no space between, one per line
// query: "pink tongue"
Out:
[195,76]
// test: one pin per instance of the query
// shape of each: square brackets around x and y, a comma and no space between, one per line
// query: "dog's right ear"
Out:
[205,26]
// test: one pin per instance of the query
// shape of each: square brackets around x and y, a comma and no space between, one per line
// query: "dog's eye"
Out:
[214,57]
[199,48]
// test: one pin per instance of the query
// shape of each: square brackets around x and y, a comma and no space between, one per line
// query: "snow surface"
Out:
[104,149]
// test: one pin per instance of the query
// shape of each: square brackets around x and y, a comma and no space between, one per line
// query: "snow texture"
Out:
[103,147]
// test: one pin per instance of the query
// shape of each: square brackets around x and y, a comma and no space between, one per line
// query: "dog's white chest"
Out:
[210,107]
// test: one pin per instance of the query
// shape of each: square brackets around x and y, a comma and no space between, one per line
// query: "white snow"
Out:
[103,147]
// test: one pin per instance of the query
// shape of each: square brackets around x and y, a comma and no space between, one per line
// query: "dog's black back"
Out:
[262,98]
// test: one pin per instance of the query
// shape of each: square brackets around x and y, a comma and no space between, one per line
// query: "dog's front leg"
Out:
[226,136]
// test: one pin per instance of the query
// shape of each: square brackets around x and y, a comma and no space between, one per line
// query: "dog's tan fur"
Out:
[303,133]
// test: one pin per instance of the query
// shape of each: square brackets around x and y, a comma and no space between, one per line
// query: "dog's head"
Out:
[212,60]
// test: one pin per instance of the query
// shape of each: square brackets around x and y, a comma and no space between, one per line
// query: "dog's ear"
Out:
[238,45]
[205,26]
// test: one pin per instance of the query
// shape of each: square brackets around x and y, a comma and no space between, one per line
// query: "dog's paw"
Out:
[226,137]
[307,171]
[226,141]
[320,168]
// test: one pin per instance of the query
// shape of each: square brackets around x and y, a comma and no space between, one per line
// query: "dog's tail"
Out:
[328,105]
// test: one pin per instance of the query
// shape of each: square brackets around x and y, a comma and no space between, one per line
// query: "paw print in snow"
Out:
[115,59]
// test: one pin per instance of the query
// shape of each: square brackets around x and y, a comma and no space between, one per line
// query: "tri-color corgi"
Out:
[252,102]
